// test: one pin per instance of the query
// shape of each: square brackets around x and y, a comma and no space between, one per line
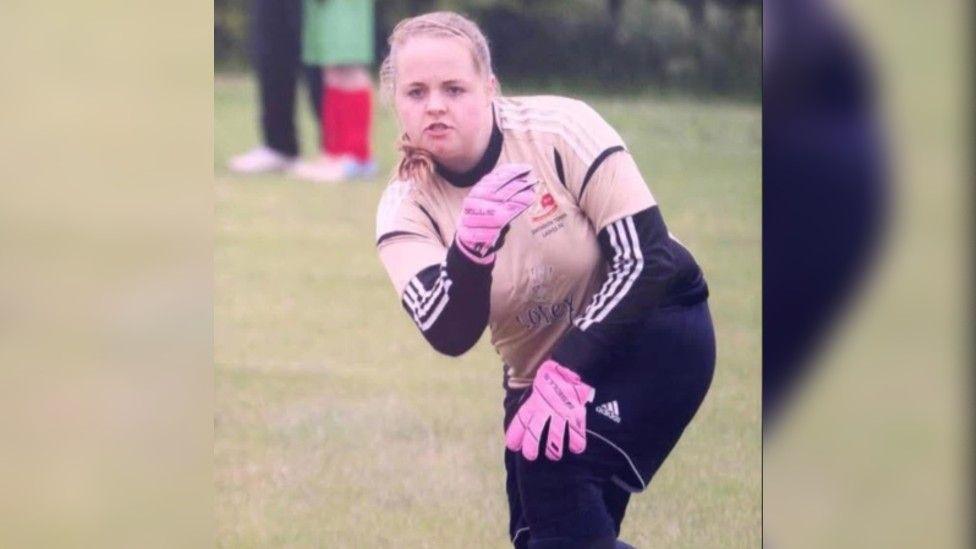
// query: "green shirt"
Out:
[338,32]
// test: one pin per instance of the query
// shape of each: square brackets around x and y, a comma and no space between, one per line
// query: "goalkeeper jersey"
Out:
[589,258]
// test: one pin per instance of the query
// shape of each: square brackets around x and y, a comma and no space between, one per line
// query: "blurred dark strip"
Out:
[825,188]
[867,274]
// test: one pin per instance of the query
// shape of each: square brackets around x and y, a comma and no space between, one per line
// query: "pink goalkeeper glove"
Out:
[490,206]
[558,396]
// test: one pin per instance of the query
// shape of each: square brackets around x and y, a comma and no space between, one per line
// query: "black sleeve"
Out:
[450,302]
[647,268]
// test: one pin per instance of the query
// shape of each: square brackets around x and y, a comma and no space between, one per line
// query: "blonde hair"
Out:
[415,162]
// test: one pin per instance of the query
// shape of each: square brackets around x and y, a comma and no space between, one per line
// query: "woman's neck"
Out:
[465,174]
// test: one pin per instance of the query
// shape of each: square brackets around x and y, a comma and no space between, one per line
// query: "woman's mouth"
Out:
[437,129]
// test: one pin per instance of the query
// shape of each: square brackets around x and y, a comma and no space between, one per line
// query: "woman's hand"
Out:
[559,397]
[490,206]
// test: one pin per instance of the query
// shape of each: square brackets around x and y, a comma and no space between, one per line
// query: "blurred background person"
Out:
[865,316]
[275,35]
[338,36]
[824,185]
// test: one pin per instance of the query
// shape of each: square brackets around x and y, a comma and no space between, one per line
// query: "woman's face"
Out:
[442,101]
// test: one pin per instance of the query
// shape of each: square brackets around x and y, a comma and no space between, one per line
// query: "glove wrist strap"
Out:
[470,254]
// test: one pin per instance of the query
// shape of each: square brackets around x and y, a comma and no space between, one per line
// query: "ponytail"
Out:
[416,164]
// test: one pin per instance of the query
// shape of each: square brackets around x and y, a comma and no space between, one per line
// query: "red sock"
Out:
[329,132]
[346,119]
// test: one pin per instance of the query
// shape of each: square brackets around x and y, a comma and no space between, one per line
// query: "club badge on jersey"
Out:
[545,215]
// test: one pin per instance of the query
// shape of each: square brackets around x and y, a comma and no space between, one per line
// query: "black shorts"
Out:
[646,395]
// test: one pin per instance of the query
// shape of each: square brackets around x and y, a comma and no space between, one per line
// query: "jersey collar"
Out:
[485,165]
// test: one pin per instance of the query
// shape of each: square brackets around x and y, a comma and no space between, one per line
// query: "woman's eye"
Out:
[415,93]
[455,90]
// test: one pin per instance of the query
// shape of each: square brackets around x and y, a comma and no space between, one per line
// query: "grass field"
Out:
[337,426]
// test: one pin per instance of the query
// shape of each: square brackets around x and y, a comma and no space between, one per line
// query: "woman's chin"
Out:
[441,151]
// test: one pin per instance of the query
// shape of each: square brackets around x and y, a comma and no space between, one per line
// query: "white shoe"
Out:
[322,170]
[260,160]
[355,169]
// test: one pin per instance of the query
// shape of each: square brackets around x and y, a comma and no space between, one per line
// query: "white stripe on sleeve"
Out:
[426,305]
[628,263]
[616,276]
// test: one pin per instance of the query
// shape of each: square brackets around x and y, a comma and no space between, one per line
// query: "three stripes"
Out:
[426,305]
[626,267]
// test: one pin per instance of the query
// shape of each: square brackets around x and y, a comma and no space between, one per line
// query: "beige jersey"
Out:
[550,264]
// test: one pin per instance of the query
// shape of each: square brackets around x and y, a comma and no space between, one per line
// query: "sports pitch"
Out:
[336,425]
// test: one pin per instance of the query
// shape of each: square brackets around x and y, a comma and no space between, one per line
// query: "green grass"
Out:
[337,426]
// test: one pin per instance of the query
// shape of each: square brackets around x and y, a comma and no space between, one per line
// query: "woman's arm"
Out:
[646,267]
[449,302]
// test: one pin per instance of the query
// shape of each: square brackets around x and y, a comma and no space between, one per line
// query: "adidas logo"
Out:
[610,409]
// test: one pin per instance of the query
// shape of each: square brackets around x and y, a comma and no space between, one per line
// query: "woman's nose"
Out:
[435,103]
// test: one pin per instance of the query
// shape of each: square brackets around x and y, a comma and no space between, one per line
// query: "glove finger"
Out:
[585,393]
[508,174]
[530,446]
[500,241]
[523,193]
[518,204]
[577,434]
[566,373]
[515,433]
[480,234]
[499,178]
[514,184]
[515,208]
[557,431]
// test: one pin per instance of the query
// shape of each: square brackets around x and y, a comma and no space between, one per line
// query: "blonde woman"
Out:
[528,215]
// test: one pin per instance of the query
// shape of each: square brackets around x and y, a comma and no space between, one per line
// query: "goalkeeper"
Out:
[528,215]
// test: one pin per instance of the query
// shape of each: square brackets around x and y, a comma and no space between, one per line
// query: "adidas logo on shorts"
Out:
[609,409]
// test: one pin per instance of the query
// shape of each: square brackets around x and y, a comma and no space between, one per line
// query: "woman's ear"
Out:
[492,90]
